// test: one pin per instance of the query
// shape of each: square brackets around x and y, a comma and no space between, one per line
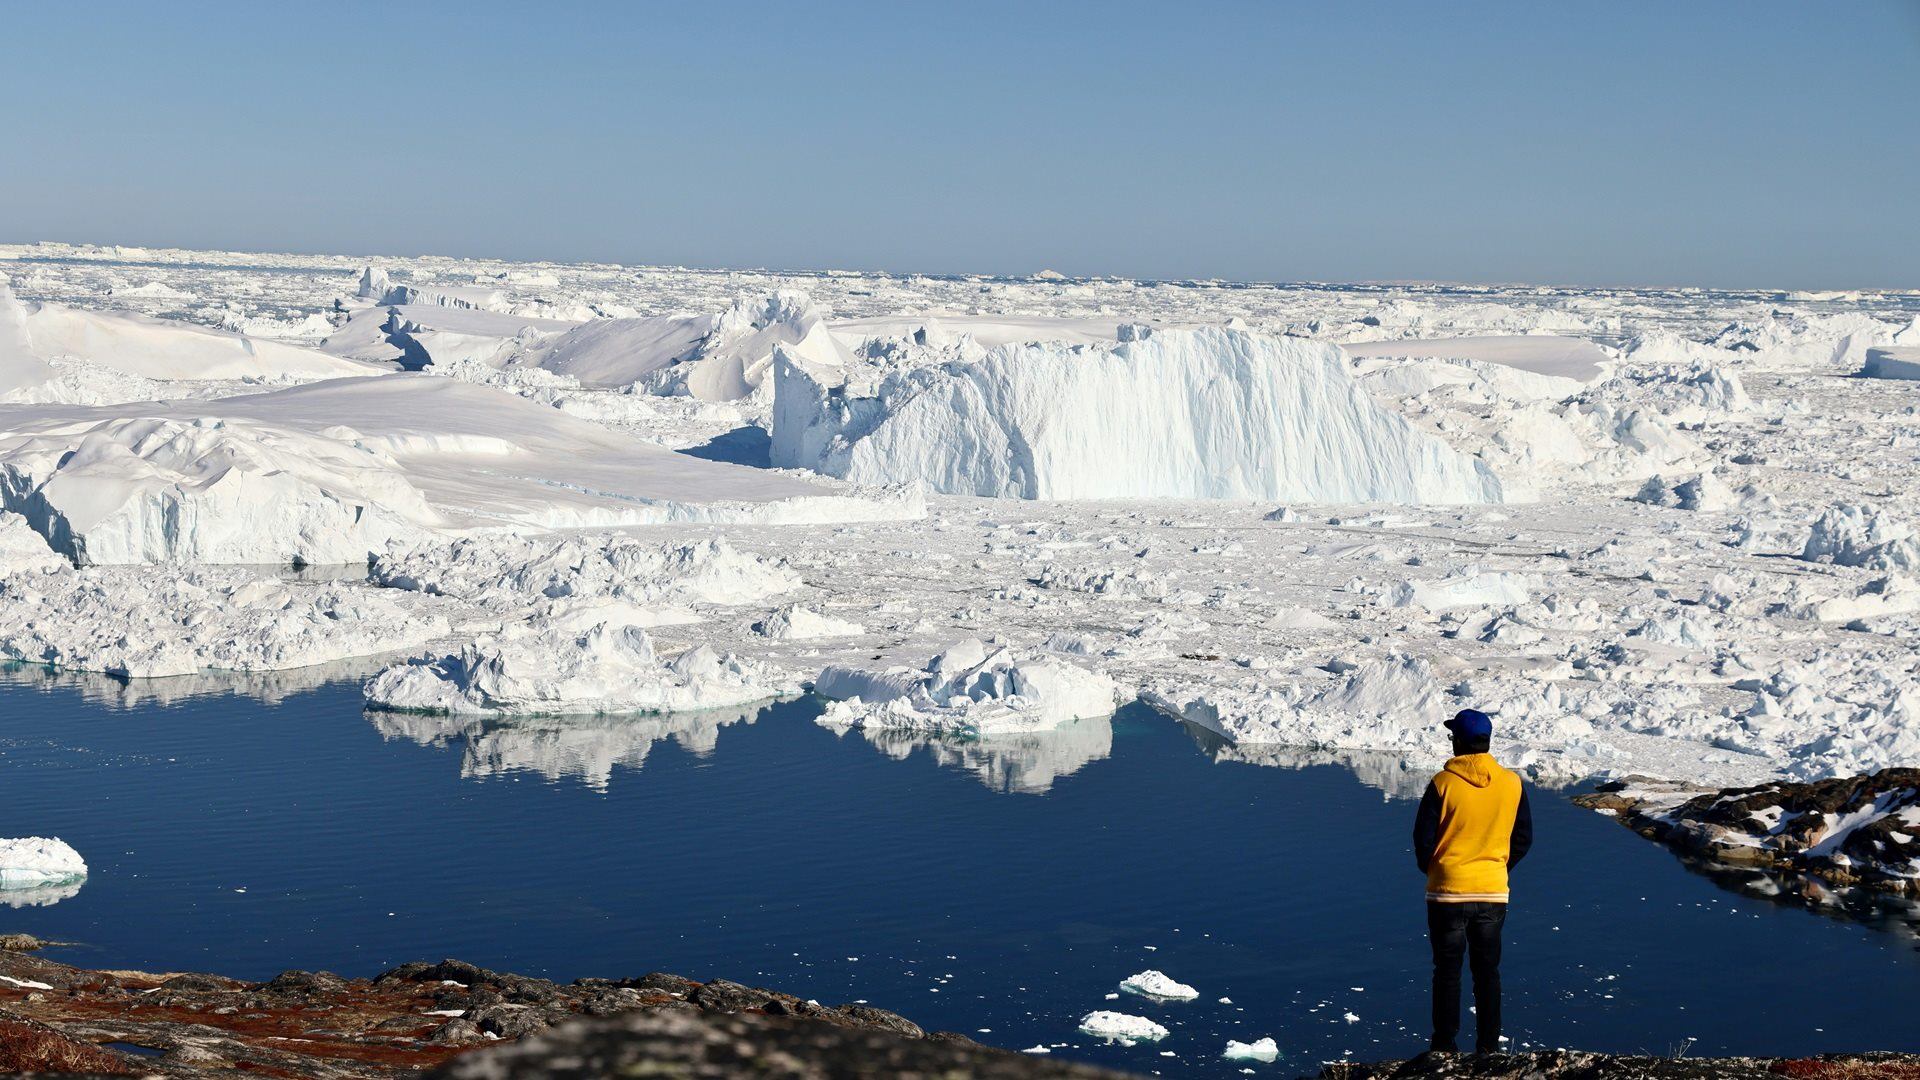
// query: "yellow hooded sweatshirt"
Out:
[1468,818]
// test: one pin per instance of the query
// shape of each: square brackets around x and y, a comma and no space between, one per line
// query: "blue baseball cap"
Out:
[1471,722]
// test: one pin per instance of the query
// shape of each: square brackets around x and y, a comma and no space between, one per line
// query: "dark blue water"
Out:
[1000,895]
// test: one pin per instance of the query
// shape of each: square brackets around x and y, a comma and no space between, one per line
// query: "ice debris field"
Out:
[1658,531]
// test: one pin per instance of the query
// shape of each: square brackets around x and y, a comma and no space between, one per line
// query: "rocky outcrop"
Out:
[1861,831]
[1579,1065]
[691,1045]
[460,1017]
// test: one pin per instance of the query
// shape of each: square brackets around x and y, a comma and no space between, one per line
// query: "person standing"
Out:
[1473,826]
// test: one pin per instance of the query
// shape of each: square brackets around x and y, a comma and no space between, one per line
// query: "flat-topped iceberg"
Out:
[1207,414]
[1893,362]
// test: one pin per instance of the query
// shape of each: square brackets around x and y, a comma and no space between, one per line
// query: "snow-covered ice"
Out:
[1901,362]
[1121,1027]
[1258,1050]
[331,471]
[969,689]
[1154,984]
[1656,531]
[579,657]
[795,622]
[161,621]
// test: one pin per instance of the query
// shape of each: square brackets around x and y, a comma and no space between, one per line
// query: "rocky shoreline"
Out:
[456,1021]
[1581,1065]
[1850,832]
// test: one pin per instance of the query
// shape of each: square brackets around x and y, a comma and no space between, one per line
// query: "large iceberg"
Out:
[330,471]
[1210,413]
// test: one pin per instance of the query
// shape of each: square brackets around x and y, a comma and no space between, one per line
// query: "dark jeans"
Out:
[1471,930]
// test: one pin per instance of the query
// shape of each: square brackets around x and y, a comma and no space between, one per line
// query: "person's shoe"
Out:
[1435,1058]
[1490,1060]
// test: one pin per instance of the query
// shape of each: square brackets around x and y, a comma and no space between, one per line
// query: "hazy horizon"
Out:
[1719,145]
[374,258]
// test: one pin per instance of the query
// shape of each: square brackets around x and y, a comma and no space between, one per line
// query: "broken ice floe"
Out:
[1154,984]
[970,689]
[1121,1027]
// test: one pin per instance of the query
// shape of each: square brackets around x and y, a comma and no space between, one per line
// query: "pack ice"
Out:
[579,658]
[1663,531]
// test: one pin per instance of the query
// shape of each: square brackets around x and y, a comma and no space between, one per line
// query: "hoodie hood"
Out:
[1476,769]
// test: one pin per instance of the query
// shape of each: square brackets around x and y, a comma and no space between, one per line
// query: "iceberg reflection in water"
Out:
[1394,775]
[116,692]
[230,836]
[1027,763]
[586,748]
[41,895]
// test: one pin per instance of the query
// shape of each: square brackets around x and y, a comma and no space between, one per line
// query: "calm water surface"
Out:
[1002,891]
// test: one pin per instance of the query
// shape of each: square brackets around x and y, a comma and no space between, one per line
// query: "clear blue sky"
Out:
[1624,142]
